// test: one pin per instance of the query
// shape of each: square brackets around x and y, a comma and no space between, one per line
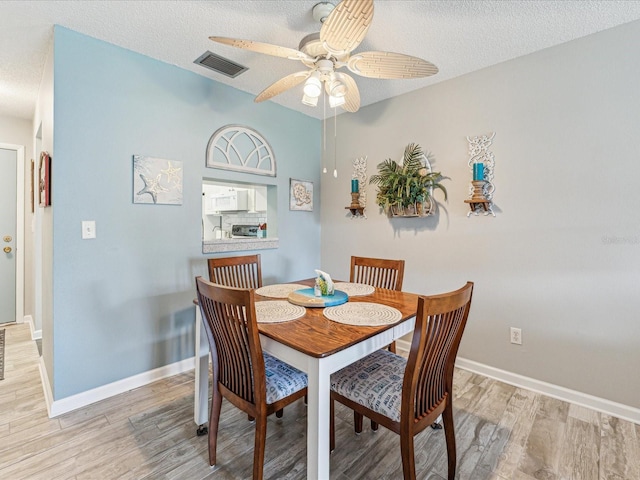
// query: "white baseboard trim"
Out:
[35,334]
[46,386]
[68,404]
[402,346]
[603,405]
[80,400]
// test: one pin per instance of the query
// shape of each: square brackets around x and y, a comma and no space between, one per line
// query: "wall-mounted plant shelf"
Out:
[406,190]
[408,215]
[417,210]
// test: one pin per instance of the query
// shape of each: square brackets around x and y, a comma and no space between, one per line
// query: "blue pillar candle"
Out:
[354,185]
[478,171]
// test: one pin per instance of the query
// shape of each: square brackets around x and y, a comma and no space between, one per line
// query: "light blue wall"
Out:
[122,303]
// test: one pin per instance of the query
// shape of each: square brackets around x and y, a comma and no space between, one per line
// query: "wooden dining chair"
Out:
[242,271]
[253,381]
[379,273]
[407,395]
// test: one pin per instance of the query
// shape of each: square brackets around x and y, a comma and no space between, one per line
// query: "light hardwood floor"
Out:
[503,433]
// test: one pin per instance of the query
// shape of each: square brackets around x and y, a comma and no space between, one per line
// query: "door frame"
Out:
[19,149]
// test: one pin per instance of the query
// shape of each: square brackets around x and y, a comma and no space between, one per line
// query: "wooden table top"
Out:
[317,336]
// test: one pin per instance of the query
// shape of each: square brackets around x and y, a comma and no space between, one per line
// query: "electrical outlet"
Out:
[516,336]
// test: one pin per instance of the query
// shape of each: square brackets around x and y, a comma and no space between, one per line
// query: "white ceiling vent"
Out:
[220,64]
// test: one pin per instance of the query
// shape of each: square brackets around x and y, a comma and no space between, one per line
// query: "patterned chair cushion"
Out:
[282,378]
[374,381]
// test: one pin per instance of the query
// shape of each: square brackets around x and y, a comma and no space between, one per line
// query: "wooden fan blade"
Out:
[346,25]
[266,48]
[352,98]
[282,85]
[390,65]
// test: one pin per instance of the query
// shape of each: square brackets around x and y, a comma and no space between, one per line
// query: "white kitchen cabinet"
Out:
[260,199]
[231,201]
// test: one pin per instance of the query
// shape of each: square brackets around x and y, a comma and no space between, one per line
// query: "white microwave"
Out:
[232,201]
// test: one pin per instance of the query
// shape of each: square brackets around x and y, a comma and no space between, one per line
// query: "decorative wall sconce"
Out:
[358,188]
[481,163]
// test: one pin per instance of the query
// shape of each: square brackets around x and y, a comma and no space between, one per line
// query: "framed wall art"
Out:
[300,195]
[44,176]
[157,181]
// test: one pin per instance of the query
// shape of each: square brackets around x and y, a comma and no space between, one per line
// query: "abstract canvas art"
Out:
[157,181]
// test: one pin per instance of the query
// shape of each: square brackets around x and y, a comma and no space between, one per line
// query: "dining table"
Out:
[318,346]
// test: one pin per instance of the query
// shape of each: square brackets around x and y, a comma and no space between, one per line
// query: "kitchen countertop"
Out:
[238,244]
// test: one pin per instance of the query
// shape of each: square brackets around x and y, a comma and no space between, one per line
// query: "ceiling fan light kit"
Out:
[313,85]
[335,102]
[336,88]
[343,29]
[310,101]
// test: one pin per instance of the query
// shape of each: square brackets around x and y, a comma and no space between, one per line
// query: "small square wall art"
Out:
[157,181]
[300,195]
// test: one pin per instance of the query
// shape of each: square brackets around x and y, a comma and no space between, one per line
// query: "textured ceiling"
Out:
[458,36]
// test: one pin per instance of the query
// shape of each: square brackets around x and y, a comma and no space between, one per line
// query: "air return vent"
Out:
[220,64]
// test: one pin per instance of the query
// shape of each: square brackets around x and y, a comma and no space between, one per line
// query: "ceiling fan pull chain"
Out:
[335,142]
[324,134]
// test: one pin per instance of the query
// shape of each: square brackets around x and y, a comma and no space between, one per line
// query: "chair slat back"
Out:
[428,379]
[241,272]
[377,272]
[230,323]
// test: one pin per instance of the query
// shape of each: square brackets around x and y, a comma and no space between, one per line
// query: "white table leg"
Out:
[318,463]
[201,393]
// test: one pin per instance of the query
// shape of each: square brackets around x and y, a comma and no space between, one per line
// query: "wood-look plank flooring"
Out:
[503,433]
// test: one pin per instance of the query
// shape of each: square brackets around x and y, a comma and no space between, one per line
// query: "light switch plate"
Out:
[88,229]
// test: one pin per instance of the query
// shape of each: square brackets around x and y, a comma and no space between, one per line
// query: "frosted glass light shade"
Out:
[313,86]
[337,88]
[336,101]
[311,101]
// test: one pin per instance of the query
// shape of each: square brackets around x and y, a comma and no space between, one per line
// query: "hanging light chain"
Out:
[335,142]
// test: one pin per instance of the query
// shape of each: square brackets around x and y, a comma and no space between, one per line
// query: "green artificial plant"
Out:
[407,185]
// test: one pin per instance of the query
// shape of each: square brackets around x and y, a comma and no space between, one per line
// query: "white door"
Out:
[8,168]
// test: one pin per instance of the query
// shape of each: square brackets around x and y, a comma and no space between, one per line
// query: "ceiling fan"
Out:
[343,28]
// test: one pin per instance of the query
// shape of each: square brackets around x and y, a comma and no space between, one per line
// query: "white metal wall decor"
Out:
[157,181]
[430,206]
[360,174]
[481,163]
[358,188]
[242,149]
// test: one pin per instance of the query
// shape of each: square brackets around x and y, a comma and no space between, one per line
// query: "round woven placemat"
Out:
[363,314]
[279,290]
[277,311]
[355,289]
